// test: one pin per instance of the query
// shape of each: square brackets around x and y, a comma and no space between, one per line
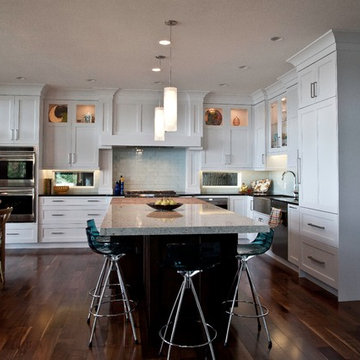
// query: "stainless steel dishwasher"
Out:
[221,201]
[280,243]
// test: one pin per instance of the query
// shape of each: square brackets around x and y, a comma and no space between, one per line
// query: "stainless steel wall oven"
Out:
[17,182]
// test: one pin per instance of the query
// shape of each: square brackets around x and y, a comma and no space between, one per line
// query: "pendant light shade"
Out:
[170,108]
[159,124]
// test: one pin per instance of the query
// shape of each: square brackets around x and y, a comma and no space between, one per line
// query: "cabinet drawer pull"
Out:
[57,200]
[315,89]
[93,214]
[316,260]
[312,90]
[292,207]
[57,233]
[93,200]
[12,234]
[317,226]
[57,214]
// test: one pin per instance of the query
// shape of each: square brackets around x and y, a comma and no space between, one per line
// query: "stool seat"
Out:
[259,246]
[192,256]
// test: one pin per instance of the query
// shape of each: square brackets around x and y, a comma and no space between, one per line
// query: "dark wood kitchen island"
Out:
[194,221]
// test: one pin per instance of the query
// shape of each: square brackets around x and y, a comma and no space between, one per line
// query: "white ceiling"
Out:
[64,42]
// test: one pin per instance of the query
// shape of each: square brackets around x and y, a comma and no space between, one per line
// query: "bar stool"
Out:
[4,216]
[245,252]
[188,260]
[113,249]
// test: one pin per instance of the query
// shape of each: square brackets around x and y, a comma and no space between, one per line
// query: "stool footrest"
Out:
[213,335]
[131,303]
[265,310]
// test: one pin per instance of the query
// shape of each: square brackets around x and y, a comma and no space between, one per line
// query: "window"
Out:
[74,178]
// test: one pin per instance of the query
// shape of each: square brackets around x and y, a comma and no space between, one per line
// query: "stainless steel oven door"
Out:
[23,202]
[17,167]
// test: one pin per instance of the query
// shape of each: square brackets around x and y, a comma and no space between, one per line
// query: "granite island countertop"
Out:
[132,216]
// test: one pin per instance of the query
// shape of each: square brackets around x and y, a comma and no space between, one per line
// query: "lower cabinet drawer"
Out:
[319,226]
[320,261]
[16,234]
[71,216]
[61,235]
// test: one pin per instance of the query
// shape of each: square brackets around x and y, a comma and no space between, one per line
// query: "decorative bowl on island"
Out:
[165,204]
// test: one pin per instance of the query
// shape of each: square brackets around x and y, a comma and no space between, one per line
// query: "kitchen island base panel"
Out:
[161,284]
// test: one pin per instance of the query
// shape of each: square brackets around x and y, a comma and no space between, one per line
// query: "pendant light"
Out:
[170,93]
[159,124]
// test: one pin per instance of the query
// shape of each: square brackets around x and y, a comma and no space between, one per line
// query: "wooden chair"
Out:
[4,216]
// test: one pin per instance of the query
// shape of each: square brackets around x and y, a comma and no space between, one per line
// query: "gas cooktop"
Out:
[150,193]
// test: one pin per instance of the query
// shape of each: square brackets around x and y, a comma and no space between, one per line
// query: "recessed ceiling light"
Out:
[20,78]
[156,69]
[164,42]
[90,80]
[276,38]
[243,67]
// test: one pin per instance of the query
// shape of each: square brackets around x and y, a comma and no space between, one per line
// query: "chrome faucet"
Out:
[296,186]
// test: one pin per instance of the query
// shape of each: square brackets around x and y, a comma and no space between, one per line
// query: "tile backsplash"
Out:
[150,168]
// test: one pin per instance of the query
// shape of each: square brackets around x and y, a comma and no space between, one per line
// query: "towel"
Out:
[275,218]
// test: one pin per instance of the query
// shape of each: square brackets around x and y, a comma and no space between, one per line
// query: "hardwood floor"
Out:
[44,304]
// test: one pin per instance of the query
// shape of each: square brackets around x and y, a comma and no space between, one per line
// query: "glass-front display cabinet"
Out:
[278,124]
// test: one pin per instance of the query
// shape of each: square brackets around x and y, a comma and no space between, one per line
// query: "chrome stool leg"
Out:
[187,283]
[262,315]
[254,298]
[202,319]
[98,286]
[176,317]
[171,314]
[231,313]
[99,304]
[128,310]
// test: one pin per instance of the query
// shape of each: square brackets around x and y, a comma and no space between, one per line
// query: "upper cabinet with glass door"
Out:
[278,124]
[71,137]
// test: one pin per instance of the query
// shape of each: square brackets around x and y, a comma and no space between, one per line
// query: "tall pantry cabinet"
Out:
[329,82]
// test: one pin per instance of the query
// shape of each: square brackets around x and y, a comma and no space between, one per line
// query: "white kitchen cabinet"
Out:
[318,150]
[238,204]
[294,240]
[259,136]
[319,260]
[226,140]
[19,120]
[63,219]
[292,133]
[133,120]
[278,124]
[317,82]
[71,137]
[21,233]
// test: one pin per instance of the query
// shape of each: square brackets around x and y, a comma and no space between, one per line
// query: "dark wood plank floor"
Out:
[44,304]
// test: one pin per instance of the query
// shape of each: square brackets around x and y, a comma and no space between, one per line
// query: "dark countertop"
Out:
[285,198]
